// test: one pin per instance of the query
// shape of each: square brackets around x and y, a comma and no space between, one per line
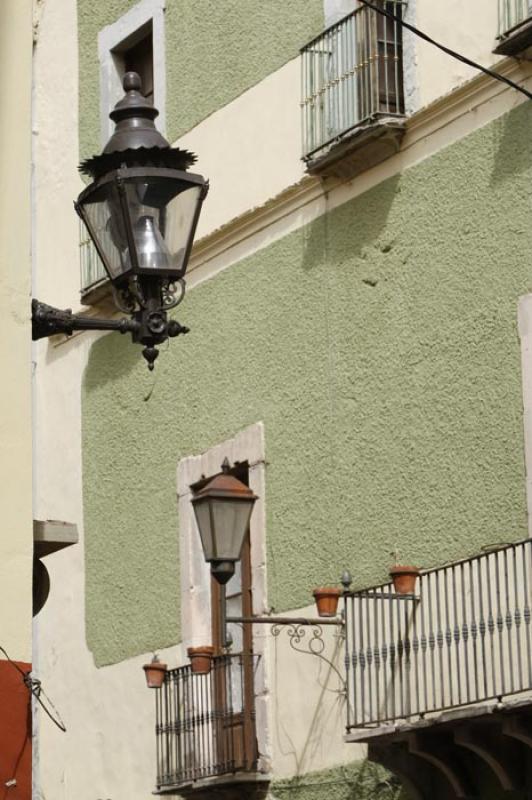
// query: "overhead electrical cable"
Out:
[34,686]
[447,50]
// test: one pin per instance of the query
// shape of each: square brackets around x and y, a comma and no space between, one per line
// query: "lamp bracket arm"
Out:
[303,621]
[49,321]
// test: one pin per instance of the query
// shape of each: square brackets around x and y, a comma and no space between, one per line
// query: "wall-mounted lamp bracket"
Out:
[149,327]
[49,321]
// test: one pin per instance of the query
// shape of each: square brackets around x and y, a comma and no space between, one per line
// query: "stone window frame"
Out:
[246,446]
[113,37]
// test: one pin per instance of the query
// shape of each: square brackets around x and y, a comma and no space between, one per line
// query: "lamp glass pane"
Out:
[203,520]
[231,519]
[103,214]
[162,214]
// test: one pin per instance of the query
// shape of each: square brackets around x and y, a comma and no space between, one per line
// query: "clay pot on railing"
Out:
[327,598]
[404,578]
[155,672]
[201,659]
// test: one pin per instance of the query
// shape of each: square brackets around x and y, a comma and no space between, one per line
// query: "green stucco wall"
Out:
[365,780]
[214,52]
[359,781]
[379,347]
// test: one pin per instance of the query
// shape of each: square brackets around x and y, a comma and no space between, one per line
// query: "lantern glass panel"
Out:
[203,519]
[162,213]
[222,524]
[143,223]
[231,519]
[103,216]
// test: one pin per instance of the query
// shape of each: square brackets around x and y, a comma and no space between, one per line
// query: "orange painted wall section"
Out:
[15,733]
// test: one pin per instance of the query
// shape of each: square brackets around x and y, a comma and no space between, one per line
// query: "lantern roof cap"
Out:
[135,141]
[225,485]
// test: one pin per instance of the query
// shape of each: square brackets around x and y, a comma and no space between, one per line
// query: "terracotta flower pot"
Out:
[327,600]
[404,578]
[155,672]
[200,659]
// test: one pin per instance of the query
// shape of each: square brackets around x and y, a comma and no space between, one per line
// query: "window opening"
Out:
[234,683]
[135,54]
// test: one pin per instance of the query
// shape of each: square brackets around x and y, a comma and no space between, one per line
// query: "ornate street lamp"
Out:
[141,211]
[223,510]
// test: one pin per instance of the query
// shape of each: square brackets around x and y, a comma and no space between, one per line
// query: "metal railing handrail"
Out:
[205,721]
[512,14]
[351,74]
[486,551]
[466,639]
[338,23]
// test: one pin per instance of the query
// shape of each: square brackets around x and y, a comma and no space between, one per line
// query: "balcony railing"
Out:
[205,724]
[465,639]
[513,13]
[351,74]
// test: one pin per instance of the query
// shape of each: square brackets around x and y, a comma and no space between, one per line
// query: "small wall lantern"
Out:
[223,510]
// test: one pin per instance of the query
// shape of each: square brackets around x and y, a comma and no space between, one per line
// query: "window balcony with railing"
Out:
[205,726]
[464,639]
[352,92]
[440,679]
[515,26]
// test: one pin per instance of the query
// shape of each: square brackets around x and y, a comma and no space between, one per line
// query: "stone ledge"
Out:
[49,536]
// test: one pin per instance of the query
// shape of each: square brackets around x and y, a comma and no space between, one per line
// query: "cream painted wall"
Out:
[88,761]
[308,703]
[250,149]
[468,27]
[16,531]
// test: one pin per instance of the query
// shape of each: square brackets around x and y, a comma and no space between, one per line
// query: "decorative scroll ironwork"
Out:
[315,644]
[297,632]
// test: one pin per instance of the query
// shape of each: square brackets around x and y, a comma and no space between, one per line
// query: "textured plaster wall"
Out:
[379,347]
[358,780]
[214,51]
[16,532]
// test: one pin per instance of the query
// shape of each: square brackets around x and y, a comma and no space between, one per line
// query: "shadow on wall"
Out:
[510,161]
[319,243]
[113,357]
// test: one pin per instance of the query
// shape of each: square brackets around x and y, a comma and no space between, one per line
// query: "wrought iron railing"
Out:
[205,724]
[464,639]
[513,13]
[92,271]
[351,74]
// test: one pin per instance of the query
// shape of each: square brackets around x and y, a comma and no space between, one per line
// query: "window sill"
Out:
[256,783]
